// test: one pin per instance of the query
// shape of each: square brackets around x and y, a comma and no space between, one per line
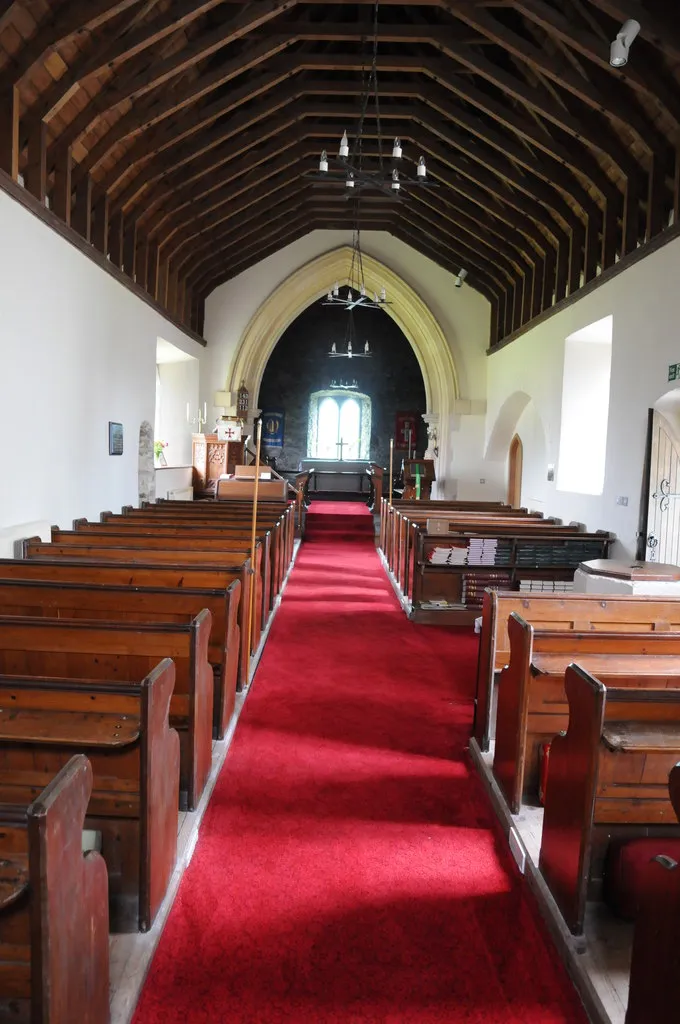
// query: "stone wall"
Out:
[300,365]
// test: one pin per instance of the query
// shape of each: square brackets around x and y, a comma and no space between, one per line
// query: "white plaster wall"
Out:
[462,313]
[77,349]
[645,304]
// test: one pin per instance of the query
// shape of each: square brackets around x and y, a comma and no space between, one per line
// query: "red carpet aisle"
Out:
[347,870]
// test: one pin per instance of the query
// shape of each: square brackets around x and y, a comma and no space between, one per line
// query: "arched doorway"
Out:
[515,460]
[407,309]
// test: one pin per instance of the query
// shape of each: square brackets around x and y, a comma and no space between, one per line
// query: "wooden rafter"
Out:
[176,135]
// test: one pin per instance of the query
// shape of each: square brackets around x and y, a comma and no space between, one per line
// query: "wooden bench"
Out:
[162,547]
[144,525]
[577,612]
[608,779]
[53,908]
[125,652]
[225,512]
[66,600]
[134,756]
[654,991]
[532,703]
[142,572]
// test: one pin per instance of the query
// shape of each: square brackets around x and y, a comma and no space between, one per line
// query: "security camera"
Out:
[462,274]
[620,48]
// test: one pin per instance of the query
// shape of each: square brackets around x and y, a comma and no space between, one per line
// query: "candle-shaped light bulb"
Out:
[395,180]
[421,169]
[366,348]
[188,413]
[343,152]
[383,294]
[323,162]
[336,289]
[350,181]
[205,412]
[396,149]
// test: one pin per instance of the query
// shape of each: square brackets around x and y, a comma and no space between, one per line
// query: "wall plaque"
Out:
[115,438]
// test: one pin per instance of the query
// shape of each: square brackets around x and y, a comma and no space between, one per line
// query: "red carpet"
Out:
[338,520]
[348,869]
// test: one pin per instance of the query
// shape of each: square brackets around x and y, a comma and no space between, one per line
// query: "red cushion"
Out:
[624,871]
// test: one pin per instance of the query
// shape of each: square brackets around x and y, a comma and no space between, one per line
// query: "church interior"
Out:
[338,616]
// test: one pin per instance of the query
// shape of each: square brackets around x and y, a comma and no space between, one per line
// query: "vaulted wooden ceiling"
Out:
[175,135]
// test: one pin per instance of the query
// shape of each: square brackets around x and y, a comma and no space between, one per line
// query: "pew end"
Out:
[607,780]
[59,943]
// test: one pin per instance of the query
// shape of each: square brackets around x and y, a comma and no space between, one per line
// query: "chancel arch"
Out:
[335,407]
[417,322]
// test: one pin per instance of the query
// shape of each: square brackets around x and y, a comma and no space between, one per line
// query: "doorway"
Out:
[663,506]
[515,460]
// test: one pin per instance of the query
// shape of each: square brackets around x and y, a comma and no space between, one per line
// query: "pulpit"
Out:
[213,458]
[418,475]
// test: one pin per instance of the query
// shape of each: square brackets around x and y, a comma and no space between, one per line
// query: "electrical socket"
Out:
[622,500]
[482,480]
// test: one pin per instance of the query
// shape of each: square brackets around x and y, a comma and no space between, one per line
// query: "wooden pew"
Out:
[198,529]
[224,512]
[134,755]
[608,779]
[654,991]
[578,612]
[66,600]
[53,908]
[164,546]
[532,703]
[126,652]
[139,567]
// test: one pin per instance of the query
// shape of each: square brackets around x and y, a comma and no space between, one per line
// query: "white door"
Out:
[663,523]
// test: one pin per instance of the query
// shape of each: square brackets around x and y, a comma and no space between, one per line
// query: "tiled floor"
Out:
[604,956]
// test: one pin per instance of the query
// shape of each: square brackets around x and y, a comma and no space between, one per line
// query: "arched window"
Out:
[339,425]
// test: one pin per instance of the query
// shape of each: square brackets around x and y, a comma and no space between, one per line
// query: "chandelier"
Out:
[356,285]
[347,168]
[350,352]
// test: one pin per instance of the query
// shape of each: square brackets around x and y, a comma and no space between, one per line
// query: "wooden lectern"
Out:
[418,477]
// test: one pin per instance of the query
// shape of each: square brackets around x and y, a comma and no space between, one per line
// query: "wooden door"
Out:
[515,472]
[663,512]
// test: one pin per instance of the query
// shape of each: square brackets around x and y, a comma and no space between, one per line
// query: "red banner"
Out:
[406,421]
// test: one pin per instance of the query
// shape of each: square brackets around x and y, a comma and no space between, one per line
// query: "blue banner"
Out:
[272,429]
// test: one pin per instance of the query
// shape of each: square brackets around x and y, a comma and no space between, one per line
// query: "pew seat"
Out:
[55,948]
[79,649]
[134,758]
[626,880]
[608,780]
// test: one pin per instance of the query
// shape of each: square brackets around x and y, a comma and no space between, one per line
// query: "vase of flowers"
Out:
[158,453]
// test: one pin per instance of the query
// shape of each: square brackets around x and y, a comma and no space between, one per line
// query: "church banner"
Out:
[406,421]
[272,429]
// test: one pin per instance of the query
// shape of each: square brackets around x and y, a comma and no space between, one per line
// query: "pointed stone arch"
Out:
[309,283]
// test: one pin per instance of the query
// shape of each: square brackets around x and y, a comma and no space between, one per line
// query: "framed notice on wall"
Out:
[115,438]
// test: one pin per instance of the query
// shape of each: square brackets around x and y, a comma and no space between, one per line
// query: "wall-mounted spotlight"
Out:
[620,48]
[462,274]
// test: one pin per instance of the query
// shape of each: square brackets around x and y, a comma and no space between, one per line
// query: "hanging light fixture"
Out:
[357,294]
[347,168]
[350,352]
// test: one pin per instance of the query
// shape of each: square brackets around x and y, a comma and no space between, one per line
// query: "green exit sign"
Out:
[674,371]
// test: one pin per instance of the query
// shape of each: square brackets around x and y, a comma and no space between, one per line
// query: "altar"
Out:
[337,475]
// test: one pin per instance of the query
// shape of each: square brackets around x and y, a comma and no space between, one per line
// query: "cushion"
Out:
[625,871]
